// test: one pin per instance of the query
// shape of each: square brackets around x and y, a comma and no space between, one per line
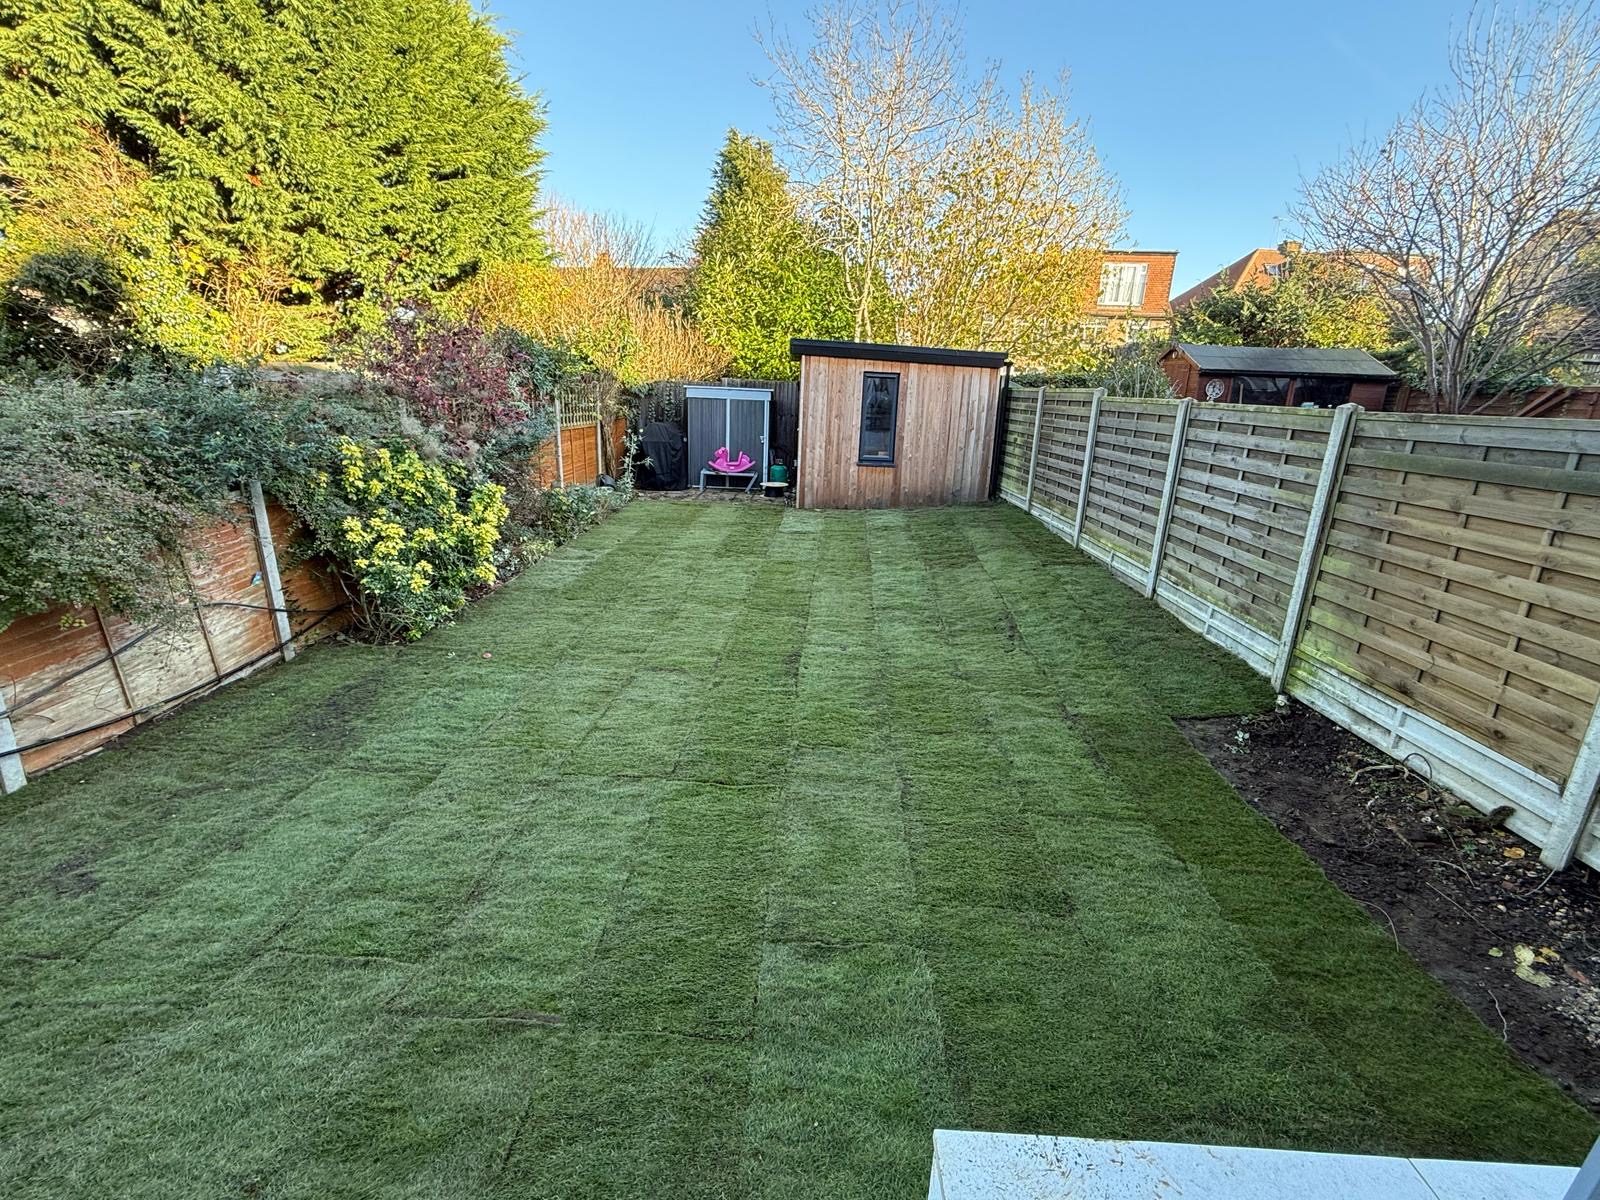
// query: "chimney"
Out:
[1288,248]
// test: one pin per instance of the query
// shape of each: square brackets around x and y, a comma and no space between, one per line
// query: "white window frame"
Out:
[1123,284]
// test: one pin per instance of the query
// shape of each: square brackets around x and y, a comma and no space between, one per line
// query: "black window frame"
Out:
[1249,390]
[1324,391]
[862,458]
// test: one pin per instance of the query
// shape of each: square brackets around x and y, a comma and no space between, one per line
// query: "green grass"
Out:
[763,843]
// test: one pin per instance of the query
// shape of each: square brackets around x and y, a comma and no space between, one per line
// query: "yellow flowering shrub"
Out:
[413,535]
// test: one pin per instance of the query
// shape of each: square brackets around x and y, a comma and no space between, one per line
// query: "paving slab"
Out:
[1000,1166]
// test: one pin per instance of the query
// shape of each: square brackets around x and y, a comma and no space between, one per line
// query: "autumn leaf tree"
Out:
[961,215]
[602,296]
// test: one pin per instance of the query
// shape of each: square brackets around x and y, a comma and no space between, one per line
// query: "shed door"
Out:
[707,418]
[747,431]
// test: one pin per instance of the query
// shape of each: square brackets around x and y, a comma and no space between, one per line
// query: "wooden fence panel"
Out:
[93,676]
[1063,432]
[1132,445]
[1245,484]
[1462,574]
[58,678]
[1016,442]
[1446,607]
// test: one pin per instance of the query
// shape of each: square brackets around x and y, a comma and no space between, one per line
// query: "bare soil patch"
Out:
[1469,901]
[71,877]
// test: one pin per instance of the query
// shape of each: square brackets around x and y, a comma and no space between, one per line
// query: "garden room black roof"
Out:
[883,352]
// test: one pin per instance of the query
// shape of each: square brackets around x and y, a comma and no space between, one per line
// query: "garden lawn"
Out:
[726,853]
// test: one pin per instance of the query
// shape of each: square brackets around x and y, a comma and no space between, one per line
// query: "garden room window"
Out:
[880,405]
[1321,393]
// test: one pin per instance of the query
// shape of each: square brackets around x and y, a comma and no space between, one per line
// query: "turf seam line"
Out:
[888,750]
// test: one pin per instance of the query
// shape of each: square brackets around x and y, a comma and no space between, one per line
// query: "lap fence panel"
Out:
[1127,482]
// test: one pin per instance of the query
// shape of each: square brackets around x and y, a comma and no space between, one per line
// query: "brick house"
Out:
[1259,268]
[1135,291]
[1265,265]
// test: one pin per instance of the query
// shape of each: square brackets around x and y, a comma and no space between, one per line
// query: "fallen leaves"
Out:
[1526,960]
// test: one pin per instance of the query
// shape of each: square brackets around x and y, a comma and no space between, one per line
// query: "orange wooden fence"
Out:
[71,679]
[580,454]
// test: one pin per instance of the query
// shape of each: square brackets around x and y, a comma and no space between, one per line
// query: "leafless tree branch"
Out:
[1476,214]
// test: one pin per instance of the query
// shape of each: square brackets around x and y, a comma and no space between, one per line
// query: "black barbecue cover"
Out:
[663,446]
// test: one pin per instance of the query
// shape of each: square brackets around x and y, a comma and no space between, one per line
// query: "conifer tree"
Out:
[759,278]
[295,152]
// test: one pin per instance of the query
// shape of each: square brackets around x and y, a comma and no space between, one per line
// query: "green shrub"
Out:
[561,513]
[100,481]
[415,536]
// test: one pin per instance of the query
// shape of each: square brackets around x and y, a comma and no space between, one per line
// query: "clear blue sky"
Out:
[1206,112]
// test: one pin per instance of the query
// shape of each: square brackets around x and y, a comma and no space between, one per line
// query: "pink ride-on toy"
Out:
[739,467]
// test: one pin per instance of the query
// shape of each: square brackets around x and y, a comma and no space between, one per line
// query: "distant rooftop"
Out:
[1267,360]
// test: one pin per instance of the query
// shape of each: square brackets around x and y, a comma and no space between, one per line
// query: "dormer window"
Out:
[1122,284]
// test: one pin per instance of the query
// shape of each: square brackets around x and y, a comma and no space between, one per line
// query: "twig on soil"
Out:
[1395,933]
[1445,862]
[1505,1027]
[1540,884]
[1454,845]
[1383,766]
[1449,899]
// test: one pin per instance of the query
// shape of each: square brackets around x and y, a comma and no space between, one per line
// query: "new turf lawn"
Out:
[764,843]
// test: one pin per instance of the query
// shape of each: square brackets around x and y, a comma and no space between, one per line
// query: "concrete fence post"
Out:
[561,466]
[12,776]
[1322,499]
[1088,463]
[1033,456]
[269,571]
[1585,1184]
[1577,806]
[1169,492]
